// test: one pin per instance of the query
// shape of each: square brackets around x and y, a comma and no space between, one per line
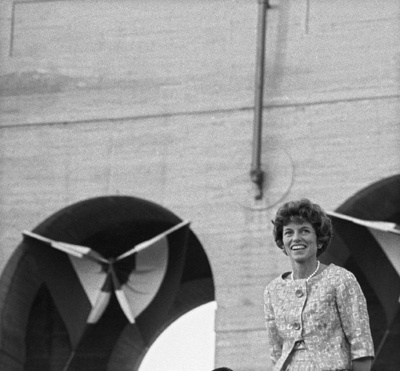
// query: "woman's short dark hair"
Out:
[303,211]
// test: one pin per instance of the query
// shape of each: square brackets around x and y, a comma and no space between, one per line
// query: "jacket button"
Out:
[299,293]
[296,326]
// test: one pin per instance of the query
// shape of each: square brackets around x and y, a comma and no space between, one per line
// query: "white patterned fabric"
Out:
[319,325]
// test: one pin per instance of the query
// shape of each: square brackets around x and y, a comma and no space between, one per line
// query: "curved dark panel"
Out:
[379,201]
[356,249]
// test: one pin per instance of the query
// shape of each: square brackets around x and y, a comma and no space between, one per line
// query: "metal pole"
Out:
[256,172]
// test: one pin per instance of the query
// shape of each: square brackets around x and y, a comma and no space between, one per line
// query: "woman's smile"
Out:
[298,247]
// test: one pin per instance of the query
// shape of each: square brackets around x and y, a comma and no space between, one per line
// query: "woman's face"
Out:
[300,241]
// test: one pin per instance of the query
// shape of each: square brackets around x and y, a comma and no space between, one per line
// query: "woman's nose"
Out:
[296,236]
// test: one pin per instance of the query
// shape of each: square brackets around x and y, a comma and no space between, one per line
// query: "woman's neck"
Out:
[305,270]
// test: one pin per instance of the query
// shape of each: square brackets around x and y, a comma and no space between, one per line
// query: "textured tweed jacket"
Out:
[328,314]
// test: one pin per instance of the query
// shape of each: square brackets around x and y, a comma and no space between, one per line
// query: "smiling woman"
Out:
[316,315]
[188,344]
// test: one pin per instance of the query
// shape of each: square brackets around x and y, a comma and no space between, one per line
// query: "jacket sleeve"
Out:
[354,317]
[275,341]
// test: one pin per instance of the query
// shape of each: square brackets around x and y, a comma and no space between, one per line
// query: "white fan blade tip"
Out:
[37,237]
[71,249]
[340,216]
[123,302]
[179,225]
[26,234]
[145,244]
[99,308]
[374,224]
